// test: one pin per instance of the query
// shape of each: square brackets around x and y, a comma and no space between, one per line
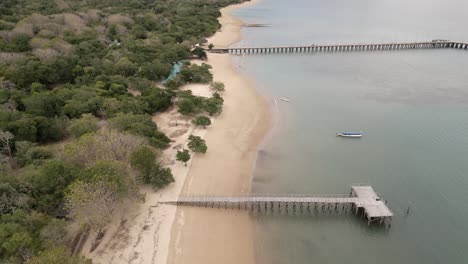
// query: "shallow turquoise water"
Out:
[411,106]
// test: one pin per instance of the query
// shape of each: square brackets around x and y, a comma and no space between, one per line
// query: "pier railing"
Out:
[362,200]
[435,44]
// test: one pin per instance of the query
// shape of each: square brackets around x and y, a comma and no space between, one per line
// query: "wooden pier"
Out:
[434,44]
[362,200]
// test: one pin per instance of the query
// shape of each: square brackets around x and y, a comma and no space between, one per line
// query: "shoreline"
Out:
[203,235]
[156,233]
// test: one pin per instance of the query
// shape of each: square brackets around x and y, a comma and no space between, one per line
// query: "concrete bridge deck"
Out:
[435,44]
[362,199]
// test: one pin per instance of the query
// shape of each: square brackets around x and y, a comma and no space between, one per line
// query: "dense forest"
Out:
[79,81]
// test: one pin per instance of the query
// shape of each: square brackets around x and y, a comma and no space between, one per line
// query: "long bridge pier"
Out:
[445,44]
[362,200]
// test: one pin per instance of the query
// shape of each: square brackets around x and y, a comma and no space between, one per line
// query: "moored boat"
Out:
[350,134]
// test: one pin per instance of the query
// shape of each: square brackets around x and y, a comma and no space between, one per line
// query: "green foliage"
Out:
[197,144]
[211,46]
[12,199]
[217,86]
[35,155]
[142,159]
[199,52]
[203,121]
[19,43]
[117,89]
[50,182]
[155,70]
[183,156]
[141,125]
[187,106]
[125,67]
[53,70]
[193,73]
[214,105]
[158,177]
[58,255]
[43,104]
[77,73]
[86,124]
[21,234]
[157,99]
[139,32]
[190,104]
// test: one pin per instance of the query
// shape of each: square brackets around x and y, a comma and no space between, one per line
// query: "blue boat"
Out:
[350,134]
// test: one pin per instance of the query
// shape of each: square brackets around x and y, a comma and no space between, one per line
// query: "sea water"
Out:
[412,106]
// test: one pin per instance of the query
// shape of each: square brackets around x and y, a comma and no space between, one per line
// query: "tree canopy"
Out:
[197,144]
[71,123]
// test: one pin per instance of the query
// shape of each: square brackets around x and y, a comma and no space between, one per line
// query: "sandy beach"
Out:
[157,233]
[207,235]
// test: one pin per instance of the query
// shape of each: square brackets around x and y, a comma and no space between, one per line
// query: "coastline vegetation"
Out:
[75,140]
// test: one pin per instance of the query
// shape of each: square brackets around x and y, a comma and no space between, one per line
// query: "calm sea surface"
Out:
[411,105]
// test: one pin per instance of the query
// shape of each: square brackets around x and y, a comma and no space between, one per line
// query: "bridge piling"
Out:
[362,201]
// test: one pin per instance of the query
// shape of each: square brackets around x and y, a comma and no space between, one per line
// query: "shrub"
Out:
[187,106]
[158,177]
[217,86]
[196,73]
[203,121]
[197,144]
[86,124]
[142,159]
[214,105]
[183,156]
[38,154]
[141,125]
[199,52]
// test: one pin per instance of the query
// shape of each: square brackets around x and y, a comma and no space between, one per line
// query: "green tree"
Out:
[50,182]
[112,32]
[20,234]
[155,70]
[203,121]
[193,73]
[125,67]
[199,52]
[211,46]
[43,104]
[158,177]
[12,199]
[117,89]
[214,105]
[58,255]
[141,125]
[142,159]
[36,155]
[197,144]
[187,106]
[37,87]
[157,99]
[86,124]
[183,156]
[217,86]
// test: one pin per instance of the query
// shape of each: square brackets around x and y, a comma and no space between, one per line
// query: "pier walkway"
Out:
[434,44]
[362,200]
